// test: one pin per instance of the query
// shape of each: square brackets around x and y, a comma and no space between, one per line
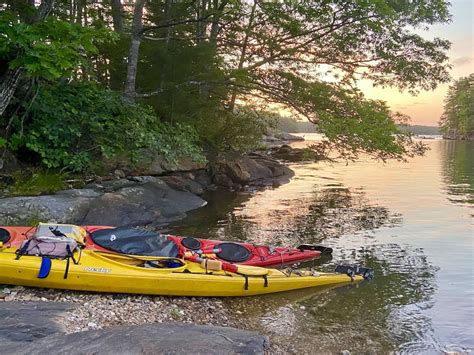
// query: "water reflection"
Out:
[380,315]
[458,170]
[330,210]
[398,218]
[370,315]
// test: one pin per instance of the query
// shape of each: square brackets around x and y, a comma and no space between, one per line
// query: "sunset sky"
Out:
[426,108]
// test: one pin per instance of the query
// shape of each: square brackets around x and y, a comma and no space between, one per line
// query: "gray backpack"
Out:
[50,247]
[58,248]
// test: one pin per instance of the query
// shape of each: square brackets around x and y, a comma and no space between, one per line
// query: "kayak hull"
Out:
[119,274]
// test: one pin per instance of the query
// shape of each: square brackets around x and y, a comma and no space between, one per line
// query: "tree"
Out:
[11,76]
[209,63]
[41,47]
[308,56]
[457,120]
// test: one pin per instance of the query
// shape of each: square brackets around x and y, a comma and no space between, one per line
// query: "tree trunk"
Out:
[133,53]
[44,10]
[117,63]
[201,25]
[80,7]
[215,23]
[8,85]
[244,51]
[71,10]
[167,34]
[10,78]
[117,15]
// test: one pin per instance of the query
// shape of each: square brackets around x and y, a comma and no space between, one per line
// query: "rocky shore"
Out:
[93,311]
[129,199]
[160,195]
[74,324]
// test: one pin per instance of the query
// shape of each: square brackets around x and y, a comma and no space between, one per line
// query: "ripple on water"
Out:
[350,207]
[382,315]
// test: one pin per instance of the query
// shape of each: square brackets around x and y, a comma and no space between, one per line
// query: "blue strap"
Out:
[45,268]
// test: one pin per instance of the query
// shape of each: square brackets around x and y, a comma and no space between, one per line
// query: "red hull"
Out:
[260,255]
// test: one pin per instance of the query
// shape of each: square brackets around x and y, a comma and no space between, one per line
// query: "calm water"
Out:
[412,222]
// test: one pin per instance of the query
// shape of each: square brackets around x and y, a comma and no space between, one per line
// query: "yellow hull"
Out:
[122,274]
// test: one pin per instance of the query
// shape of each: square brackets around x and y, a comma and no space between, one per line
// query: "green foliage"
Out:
[291,125]
[51,49]
[239,131]
[74,126]
[351,123]
[420,130]
[37,182]
[458,115]
[189,70]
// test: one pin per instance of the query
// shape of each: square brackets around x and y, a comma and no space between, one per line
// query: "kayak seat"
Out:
[4,235]
[135,241]
[191,243]
[233,252]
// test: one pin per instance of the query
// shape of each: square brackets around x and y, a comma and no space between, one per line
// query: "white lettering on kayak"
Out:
[97,269]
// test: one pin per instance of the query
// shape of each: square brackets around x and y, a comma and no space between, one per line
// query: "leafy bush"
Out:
[238,131]
[50,49]
[74,126]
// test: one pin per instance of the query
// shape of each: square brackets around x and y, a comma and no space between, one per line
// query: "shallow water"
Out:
[412,222]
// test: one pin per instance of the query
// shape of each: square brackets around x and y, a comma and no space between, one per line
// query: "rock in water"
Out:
[153,202]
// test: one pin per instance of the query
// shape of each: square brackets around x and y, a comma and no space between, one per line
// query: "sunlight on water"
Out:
[412,222]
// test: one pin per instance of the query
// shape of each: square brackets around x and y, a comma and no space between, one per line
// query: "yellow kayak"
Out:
[117,273]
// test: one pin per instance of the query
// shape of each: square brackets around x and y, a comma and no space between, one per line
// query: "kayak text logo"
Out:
[97,269]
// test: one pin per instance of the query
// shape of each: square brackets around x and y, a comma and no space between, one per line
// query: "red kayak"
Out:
[136,241]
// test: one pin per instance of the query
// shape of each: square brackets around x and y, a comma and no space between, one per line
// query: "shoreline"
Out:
[95,312]
[145,200]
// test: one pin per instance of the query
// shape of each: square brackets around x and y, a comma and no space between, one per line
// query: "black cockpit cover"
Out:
[135,241]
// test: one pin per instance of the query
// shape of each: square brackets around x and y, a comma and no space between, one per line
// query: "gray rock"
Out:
[143,179]
[168,338]
[135,201]
[58,208]
[277,169]
[288,137]
[255,170]
[223,180]
[183,184]
[119,173]
[79,193]
[269,138]
[150,203]
[114,185]
[245,170]
[33,328]
[202,177]
[281,137]
[287,153]
[183,165]
[27,322]
[155,165]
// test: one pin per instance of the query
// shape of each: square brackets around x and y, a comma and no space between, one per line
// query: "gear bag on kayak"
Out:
[53,240]
[62,248]
[50,242]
